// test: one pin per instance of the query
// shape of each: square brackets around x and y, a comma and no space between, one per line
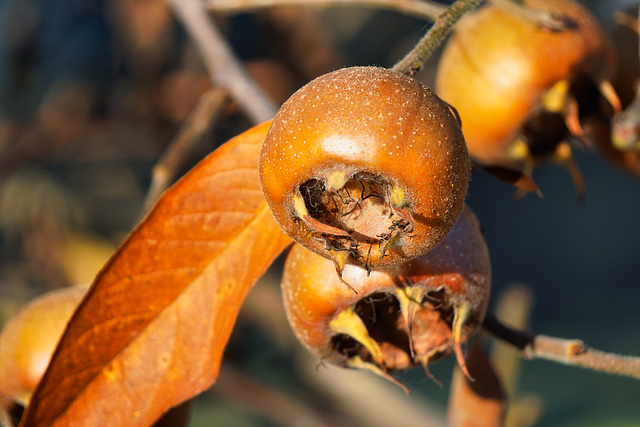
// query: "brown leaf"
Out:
[153,327]
[479,402]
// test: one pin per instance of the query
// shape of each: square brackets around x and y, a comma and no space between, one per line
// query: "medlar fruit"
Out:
[365,166]
[521,89]
[411,314]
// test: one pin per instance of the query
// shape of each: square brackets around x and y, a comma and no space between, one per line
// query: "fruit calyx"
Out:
[411,326]
[354,215]
[410,315]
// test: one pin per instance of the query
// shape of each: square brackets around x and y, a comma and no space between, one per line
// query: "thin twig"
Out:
[418,8]
[415,59]
[224,68]
[566,351]
[201,119]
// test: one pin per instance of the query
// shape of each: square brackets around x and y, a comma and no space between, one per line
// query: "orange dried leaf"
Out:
[153,327]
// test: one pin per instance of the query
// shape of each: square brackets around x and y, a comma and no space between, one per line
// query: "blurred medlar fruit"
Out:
[365,166]
[28,340]
[621,145]
[522,89]
[618,137]
[624,33]
[410,314]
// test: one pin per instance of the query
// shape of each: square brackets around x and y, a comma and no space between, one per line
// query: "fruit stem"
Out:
[442,26]
[566,351]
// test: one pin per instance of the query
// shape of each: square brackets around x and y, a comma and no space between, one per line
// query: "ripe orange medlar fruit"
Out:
[410,314]
[28,340]
[365,166]
[522,89]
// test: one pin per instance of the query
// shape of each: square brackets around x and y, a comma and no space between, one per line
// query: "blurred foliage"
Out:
[92,92]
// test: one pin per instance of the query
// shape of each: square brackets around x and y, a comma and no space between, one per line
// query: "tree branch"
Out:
[417,8]
[200,121]
[566,351]
[415,59]
[224,68]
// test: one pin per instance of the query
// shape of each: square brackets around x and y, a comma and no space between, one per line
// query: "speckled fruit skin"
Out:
[460,265]
[369,119]
[28,340]
[496,67]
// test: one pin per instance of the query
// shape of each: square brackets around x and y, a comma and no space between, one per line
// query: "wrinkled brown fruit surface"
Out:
[409,315]
[365,166]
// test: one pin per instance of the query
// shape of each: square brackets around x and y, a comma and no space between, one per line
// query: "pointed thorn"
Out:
[409,298]
[357,363]
[555,99]
[564,156]
[424,361]
[349,323]
[607,90]
[519,150]
[430,375]
[335,181]
[389,243]
[397,197]
[300,206]
[461,313]
[572,120]
[339,259]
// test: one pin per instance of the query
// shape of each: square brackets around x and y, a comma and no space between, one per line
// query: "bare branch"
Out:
[224,68]
[417,8]
[566,351]
[415,59]
[576,353]
[201,118]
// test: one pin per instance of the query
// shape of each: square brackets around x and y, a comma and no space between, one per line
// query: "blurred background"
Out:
[91,94]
